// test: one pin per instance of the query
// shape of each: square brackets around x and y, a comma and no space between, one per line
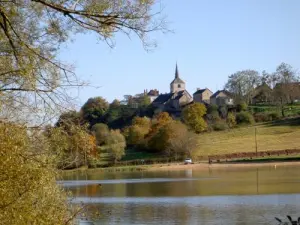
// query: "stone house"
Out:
[222,98]
[202,95]
[152,94]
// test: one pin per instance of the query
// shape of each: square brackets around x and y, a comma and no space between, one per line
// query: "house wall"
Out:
[206,96]
[203,97]
[152,98]
[185,99]
[221,99]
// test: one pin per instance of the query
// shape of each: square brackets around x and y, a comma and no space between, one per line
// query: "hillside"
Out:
[278,135]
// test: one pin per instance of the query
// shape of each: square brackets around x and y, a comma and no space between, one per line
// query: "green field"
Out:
[279,135]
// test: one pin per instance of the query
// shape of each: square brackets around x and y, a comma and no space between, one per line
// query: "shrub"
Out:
[212,108]
[220,125]
[244,118]
[274,116]
[262,117]
[231,121]
[242,107]
[215,116]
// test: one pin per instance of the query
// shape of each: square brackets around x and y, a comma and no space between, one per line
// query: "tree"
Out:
[32,77]
[135,134]
[193,116]
[28,189]
[101,132]
[181,142]
[94,109]
[69,118]
[144,101]
[115,104]
[34,84]
[286,74]
[72,148]
[242,84]
[287,88]
[115,144]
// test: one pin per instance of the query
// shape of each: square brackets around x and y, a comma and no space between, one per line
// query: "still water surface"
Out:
[206,196]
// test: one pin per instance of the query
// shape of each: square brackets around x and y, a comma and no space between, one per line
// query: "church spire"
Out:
[176,72]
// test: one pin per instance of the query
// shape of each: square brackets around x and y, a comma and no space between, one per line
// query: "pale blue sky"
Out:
[212,39]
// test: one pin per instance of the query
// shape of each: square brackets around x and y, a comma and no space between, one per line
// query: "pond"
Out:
[206,196]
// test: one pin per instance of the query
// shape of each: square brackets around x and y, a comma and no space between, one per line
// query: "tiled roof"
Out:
[200,91]
[153,93]
[219,91]
[162,98]
[177,80]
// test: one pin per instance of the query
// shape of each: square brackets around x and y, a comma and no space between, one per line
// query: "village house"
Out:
[152,94]
[222,98]
[202,95]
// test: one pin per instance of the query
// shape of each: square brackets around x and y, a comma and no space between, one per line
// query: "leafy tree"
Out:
[115,144]
[69,118]
[141,121]
[28,190]
[94,109]
[72,148]
[181,142]
[287,88]
[144,101]
[286,74]
[115,104]
[30,68]
[193,117]
[33,87]
[135,134]
[242,84]
[101,132]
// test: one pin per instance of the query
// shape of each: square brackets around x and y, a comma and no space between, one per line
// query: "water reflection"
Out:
[212,196]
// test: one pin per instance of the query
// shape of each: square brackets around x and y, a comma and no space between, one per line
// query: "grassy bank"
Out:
[278,135]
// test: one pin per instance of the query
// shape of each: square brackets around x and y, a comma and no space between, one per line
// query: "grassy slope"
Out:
[277,136]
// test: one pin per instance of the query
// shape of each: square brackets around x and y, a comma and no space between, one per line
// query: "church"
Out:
[177,98]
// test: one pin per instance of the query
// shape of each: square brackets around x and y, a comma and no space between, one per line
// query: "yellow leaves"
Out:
[28,191]
[73,147]
[193,117]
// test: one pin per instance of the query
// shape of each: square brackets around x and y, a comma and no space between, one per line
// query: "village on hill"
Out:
[179,97]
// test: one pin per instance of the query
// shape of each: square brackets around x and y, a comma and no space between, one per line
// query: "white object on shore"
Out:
[85,222]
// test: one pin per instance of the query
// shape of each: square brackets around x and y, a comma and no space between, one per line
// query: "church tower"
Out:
[177,84]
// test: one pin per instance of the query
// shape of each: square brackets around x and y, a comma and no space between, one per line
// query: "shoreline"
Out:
[200,166]
[195,166]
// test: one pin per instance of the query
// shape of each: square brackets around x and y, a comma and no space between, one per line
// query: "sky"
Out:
[211,39]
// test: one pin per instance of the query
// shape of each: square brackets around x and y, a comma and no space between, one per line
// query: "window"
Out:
[179,86]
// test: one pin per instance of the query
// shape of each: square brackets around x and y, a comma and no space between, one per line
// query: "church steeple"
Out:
[176,72]
[177,84]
